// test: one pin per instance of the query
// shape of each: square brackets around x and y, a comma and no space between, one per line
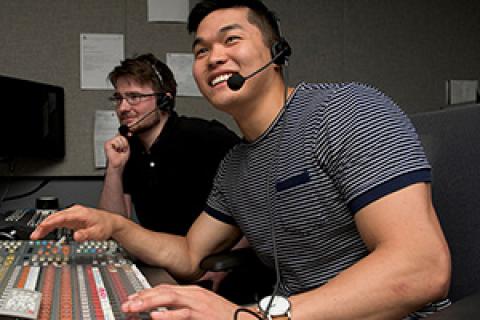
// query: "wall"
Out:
[406,48]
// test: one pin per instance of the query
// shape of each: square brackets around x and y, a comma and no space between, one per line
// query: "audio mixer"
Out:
[19,223]
[48,279]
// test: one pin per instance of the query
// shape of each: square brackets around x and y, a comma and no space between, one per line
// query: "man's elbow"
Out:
[439,275]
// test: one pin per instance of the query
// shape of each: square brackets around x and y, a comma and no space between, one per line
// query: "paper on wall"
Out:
[106,127]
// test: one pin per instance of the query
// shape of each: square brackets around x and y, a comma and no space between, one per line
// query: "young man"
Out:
[165,163]
[332,187]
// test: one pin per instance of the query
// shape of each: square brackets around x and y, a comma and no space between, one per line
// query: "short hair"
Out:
[259,15]
[146,69]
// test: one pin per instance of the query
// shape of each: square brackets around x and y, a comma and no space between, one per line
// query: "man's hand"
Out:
[117,151]
[88,223]
[182,302]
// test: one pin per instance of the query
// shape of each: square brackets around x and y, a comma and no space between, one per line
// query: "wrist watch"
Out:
[279,310]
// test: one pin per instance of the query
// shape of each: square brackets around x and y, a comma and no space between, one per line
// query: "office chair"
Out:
[451,139]
[248,280]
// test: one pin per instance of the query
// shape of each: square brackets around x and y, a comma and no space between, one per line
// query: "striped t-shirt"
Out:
[332,150]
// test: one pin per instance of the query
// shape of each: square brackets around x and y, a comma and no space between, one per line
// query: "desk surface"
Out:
[156,276]
[466,308]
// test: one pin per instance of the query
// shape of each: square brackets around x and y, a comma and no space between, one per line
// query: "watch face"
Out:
[280,305]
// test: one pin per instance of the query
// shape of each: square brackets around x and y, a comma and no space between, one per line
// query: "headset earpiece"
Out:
[281,50]
[164,101]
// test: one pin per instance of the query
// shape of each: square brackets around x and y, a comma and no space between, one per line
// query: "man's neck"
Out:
[258,117]
[148,137]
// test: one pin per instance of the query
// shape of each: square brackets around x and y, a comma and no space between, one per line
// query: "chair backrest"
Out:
[451,138]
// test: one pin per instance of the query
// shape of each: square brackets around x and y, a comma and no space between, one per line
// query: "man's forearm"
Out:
[381,286]
[112,197]
[156,248]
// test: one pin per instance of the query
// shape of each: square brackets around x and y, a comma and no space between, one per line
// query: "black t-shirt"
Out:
[169,184]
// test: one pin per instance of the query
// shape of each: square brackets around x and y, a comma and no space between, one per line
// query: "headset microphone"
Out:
[280,51]
[124,129]
[235,82]
[165,105]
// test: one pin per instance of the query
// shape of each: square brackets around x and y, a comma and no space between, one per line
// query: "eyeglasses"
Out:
[133,98]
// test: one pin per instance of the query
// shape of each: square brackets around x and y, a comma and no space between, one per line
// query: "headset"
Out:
[164,102]
[280,51]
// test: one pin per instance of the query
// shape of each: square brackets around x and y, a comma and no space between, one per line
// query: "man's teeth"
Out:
[220,78]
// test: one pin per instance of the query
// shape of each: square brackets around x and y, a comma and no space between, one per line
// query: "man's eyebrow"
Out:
[222,30]
[230,27]
[196,41]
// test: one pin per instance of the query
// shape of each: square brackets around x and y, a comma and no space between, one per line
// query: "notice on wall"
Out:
[462,91]
[181,66]
[168,10]
[106,127]
[99,54]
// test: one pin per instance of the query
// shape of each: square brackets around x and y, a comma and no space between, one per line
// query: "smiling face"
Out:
[227,43]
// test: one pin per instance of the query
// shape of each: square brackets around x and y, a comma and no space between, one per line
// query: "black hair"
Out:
[259,15]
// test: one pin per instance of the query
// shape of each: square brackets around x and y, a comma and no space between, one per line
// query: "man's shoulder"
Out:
[204,127]
[199,123]
[333,96]
[334,87]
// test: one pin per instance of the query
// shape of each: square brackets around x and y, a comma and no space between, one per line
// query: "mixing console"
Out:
[19,223]
[72,280]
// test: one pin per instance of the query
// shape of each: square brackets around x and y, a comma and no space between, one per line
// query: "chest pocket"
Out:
[298,208]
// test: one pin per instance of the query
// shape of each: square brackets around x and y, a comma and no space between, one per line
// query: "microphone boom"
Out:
[124,129]
[236,81]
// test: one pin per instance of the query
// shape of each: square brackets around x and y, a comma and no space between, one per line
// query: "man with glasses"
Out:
[163,163]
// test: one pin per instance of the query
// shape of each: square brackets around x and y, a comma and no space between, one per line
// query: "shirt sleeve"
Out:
[369,146]
[217,204]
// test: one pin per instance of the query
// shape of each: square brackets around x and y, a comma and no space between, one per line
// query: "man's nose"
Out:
[217,55]
[123,105]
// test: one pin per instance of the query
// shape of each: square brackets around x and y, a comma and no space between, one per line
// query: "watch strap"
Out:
[282,317]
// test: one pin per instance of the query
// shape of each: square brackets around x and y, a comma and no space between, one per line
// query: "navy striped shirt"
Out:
[332,150]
